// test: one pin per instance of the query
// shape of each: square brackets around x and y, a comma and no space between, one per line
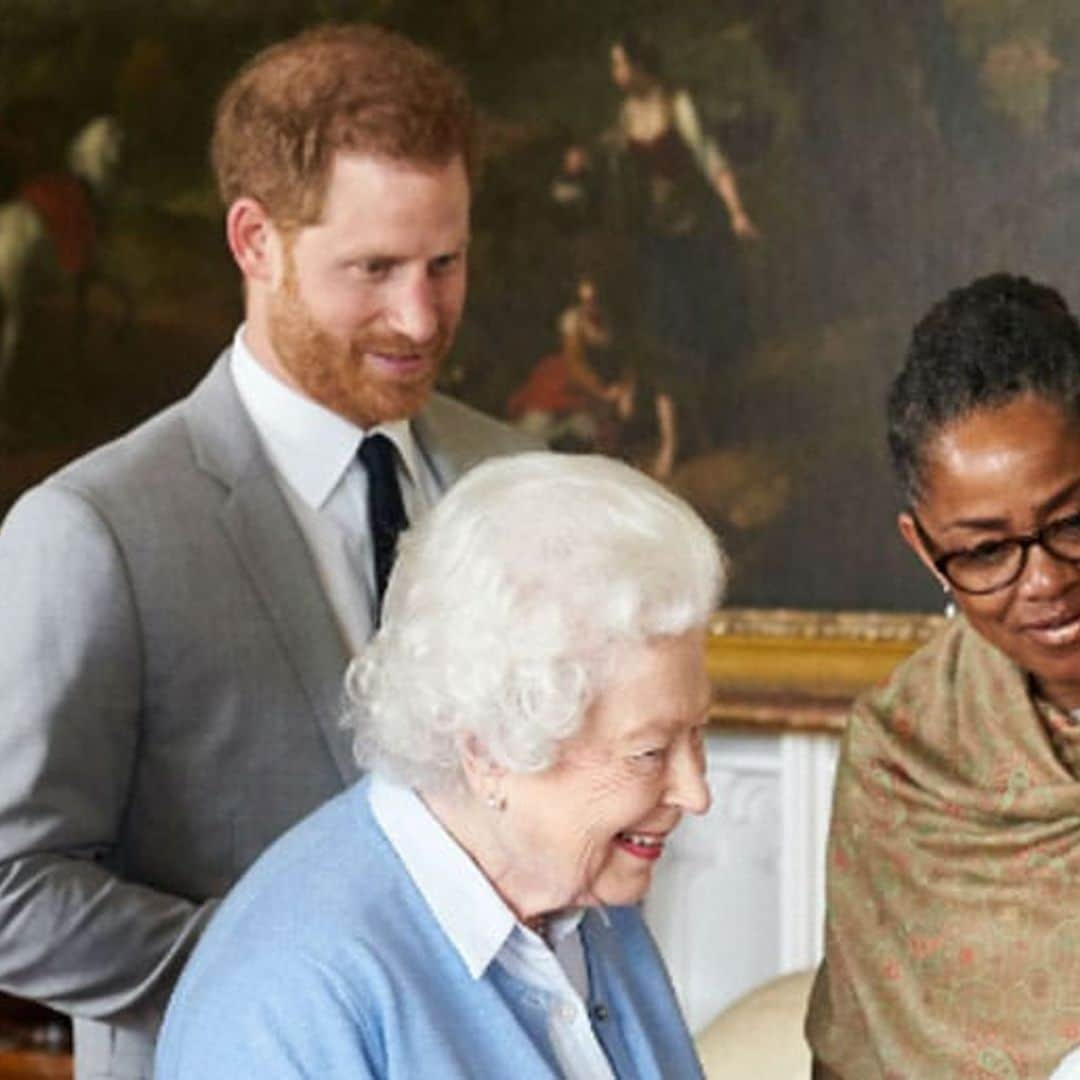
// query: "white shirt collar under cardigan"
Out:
[472,914]
[484,930]
[309,445]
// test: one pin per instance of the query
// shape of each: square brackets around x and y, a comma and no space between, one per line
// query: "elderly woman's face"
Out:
[590,828]
[1000,473]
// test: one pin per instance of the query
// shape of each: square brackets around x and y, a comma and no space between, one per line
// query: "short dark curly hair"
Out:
[984,344]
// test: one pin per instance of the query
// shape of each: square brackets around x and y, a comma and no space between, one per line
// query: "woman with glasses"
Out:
[953,926]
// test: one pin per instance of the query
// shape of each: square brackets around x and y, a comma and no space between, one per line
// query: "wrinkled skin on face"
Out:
[589,829]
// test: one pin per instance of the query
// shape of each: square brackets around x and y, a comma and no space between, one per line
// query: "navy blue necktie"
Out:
[386,511]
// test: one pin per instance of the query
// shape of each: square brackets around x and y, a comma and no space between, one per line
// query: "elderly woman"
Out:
[954,859]
[531,715]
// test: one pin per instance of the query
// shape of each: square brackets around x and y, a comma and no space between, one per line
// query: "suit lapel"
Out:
[452,438]
[273,550]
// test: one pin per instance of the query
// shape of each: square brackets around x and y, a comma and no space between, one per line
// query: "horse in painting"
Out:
[53,224]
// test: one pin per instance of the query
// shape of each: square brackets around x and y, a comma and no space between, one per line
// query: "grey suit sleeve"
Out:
[73,933]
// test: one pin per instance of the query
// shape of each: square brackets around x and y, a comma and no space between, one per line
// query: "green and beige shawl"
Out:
[953,928]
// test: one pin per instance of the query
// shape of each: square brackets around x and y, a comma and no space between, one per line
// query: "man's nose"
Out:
[412,308]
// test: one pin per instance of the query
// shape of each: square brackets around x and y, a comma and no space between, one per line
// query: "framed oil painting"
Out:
[717,289]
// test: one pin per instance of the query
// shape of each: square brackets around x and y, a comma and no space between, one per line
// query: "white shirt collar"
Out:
[309,445]
[471,913]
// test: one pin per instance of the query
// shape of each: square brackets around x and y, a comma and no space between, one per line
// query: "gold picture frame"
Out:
[785,670]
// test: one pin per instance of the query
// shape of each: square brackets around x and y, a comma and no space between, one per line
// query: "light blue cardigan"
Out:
[325,962]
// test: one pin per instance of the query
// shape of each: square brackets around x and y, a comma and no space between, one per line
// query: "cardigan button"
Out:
[600,1012]
[567,1012]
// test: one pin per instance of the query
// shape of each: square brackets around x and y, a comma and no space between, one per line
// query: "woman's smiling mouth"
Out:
[1054,632]
[649,846]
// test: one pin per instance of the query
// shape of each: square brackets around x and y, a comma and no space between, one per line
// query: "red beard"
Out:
[339,374]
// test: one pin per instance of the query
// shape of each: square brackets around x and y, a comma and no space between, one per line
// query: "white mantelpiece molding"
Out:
[738,896]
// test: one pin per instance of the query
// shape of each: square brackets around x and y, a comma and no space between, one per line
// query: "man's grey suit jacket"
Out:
[170,701]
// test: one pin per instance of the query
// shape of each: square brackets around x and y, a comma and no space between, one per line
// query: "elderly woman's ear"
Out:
[483,775]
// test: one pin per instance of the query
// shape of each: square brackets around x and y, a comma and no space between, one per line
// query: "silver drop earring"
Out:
[950,606]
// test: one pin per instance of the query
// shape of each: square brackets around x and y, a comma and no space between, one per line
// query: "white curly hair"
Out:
[508,603]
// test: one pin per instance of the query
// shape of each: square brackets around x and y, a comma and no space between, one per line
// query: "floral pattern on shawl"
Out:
[953,927]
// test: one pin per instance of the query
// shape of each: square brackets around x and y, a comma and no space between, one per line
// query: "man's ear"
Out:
[255,242]
[913,538]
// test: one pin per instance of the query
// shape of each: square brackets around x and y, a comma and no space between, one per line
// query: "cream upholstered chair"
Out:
[760,1036]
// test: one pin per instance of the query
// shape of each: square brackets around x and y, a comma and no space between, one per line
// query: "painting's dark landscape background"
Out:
[886,150]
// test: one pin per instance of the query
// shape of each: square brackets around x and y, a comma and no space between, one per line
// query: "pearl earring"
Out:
[950,605]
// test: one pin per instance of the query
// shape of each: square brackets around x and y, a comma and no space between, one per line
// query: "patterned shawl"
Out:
[953,928]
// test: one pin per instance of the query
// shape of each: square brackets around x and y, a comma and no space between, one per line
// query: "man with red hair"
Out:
[180,606]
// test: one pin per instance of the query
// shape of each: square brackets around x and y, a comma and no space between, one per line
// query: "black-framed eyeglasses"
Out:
[996,564]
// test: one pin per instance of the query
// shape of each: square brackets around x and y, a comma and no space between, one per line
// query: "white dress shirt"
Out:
[484,930]
[313,453]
